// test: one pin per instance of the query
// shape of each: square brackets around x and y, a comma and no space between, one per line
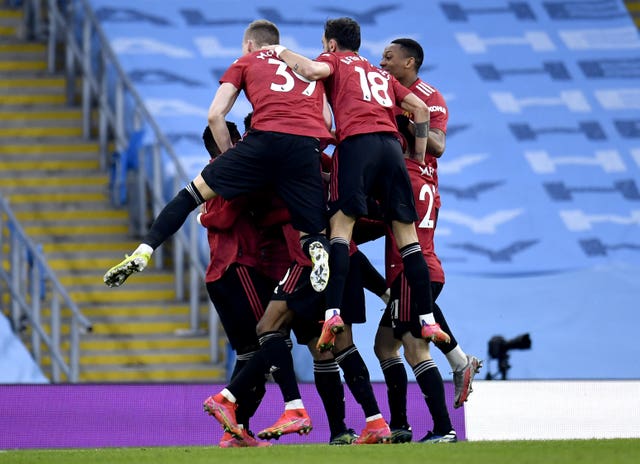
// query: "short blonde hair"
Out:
[262,32]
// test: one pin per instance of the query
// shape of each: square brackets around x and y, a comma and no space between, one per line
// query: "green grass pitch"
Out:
[618,451]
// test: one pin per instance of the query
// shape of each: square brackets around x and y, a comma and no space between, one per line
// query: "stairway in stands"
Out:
[52,179]
[634,11]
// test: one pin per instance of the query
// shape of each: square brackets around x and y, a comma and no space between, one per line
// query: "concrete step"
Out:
[139,358]
[18,101]
[103,246]
[10,24]
[144,342]
[54,112]
[68,181]
[68,200]
[30,132]
[35,231]
[38,149]
[148,279]
[53,217]
[140,372]
[129,329]
[154,373]
[30,166]
[132,295]
[13,67]
[135,309]
[62,249]
[24,85]
[43,116]
[19,49]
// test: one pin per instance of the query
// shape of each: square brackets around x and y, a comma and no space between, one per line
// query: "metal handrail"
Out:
[29,274]
[76,17]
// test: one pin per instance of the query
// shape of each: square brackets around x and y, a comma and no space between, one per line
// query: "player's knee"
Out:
[415,350]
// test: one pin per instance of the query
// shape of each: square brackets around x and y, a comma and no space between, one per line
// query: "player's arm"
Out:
[308,68]
[220,106]
[436,143]
[420,110]
[326,112]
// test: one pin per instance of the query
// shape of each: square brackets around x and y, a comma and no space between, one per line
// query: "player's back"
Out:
[282,101]
[362,96]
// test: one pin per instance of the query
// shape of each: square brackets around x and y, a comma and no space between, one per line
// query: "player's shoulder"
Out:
[423,87]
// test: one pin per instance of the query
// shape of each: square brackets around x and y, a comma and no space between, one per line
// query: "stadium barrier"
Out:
[87,416]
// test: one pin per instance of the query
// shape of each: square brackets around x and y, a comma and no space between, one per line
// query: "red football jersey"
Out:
[282,101]
[274,256]
[362,96]
[424,192]
[232,236]
[439,117]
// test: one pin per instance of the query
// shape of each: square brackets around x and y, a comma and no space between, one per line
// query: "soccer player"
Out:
[295,304]
[403,58]
[275,153]
[369,161]
[237,289]
[249,255]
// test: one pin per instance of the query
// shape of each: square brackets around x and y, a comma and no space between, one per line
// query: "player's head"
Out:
[341,34]
[210,143]
[401,57]
[258,34]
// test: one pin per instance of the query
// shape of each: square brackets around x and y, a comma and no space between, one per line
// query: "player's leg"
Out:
[395,193]
[357,378]
[428,377]
[407,329]
[234,308]
[387,350]
[355,371]
[417,275]
[463,365]
[372,280]
[291,300]
[326,375]
[274,354]
[239,297]
[298,181]
[348,200]
[341,227]
[234,173]
[416,351]
[170,219]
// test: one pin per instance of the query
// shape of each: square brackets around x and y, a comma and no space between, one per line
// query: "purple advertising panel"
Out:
[117,415]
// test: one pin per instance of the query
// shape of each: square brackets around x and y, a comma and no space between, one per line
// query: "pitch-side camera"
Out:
[499,349]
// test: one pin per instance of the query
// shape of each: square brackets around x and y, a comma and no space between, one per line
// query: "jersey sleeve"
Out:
[439,113]
[328,58]
[234,74]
